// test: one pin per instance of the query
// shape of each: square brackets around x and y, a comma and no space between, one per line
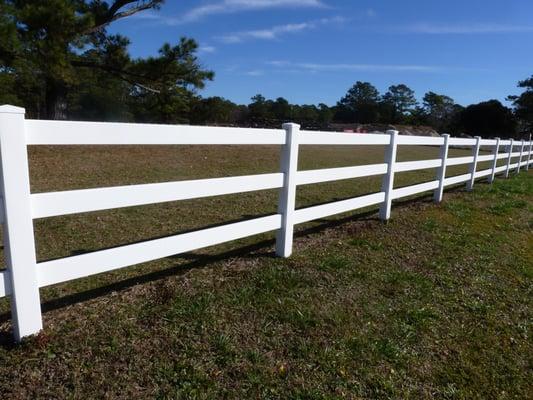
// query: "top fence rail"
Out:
[41,132]
[103,133]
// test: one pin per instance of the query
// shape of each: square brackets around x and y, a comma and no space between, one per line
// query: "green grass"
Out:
[434,304]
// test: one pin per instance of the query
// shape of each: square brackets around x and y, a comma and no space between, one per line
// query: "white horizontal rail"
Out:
[417,165]
[420,140]
[414,189]
[459,160]
[86,200]
[5,288]
[40,132]
[502,155]
[462,142]
[334,138]
[457,179]
[488,157]
[337,207]
[485,172]
[487,142]
[500,169]
[336,174]
[65,269]
[504,143]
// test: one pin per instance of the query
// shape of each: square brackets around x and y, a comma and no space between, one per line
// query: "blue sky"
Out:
[312,51]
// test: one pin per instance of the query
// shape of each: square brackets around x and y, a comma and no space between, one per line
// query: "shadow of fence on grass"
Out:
[203,261]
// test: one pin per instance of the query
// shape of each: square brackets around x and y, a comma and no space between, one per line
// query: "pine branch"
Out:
[119,73]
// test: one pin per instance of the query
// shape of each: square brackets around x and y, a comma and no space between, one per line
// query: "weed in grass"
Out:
[387,348]
[460,209]
[254,356]
[526,269]
[223,347]
[374,245]
[430,224]
[421,317]
[398,283]
[296,312]
[334,262]
[356,346]
[505,206]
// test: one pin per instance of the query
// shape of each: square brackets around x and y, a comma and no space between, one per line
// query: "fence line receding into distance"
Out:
[24,275]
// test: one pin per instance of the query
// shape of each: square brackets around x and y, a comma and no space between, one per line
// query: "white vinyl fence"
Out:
[24,275]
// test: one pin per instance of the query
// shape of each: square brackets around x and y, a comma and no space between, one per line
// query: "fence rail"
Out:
[18,207]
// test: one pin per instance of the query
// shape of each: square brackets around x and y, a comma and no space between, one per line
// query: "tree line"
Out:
[58,60]
[363,104]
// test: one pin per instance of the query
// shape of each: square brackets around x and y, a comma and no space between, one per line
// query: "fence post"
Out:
[287,197]
[509,159]
[473,166]
[387,184]
[495,161]
[529,154]
[441,172]
[520,158]
[19,241]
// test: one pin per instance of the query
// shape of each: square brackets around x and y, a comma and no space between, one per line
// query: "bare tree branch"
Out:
[114,12]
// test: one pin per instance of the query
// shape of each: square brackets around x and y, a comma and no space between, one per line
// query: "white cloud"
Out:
[232,6]
[207,49]
[278,30]
[315,67]
[463,29]
[256,72]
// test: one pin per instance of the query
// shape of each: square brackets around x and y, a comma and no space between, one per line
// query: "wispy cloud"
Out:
[255,72]
[278,30]
[206,49]
[465,29]
[316,67]
[233,6]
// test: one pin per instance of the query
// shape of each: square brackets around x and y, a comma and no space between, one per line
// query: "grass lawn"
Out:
[434,304]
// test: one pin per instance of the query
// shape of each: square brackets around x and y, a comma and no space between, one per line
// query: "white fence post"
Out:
[473,166]
[520,158]
[388,180]
[18,224]
[529,154]
[441,172]
[287,198]
[509,159]
[495,161]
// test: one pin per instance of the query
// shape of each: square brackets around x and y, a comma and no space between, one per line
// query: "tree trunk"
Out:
[56,104]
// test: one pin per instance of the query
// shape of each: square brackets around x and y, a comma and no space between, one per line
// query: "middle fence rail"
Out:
[21,207]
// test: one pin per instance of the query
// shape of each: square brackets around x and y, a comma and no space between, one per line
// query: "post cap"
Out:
[445,135]
[9,109]
[289,125]
[392,132]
